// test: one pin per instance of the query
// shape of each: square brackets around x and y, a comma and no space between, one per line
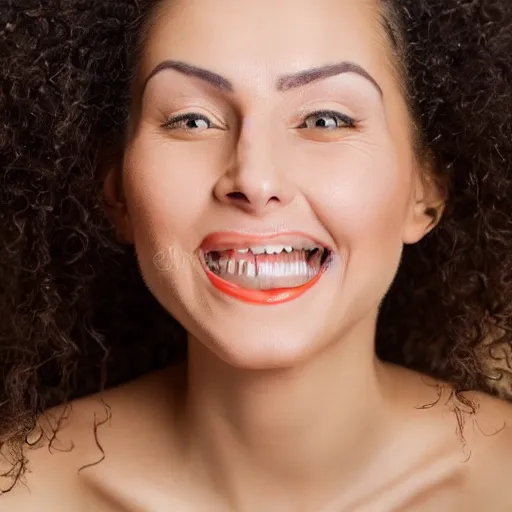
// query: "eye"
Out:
[327,120]
[189,122]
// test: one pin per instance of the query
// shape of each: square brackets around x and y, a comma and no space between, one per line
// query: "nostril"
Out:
[242,199]
[238,195]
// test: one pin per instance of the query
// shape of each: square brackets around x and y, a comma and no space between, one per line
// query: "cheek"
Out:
[362,198]
[361,193]
[168,186]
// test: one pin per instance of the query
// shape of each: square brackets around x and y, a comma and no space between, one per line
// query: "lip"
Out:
[225,240]
[231,240]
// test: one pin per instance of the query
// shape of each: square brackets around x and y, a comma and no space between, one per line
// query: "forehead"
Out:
[252,41]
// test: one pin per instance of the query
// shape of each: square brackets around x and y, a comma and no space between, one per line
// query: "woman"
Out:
[295,183]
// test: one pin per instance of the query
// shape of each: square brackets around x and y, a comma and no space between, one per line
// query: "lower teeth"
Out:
[264,272]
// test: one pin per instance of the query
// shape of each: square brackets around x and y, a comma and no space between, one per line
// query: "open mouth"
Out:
[271,267]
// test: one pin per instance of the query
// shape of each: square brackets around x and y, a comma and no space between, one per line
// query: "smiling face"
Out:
[270,118]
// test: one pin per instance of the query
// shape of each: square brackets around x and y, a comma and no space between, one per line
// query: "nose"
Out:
[253,182]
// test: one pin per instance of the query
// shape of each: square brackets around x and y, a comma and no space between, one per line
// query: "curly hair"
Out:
[75,315]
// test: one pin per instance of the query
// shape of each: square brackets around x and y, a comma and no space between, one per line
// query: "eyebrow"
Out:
[284,83]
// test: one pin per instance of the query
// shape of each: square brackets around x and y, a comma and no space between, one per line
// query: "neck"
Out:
[288,431]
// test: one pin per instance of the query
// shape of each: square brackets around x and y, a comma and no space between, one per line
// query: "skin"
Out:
[282,408]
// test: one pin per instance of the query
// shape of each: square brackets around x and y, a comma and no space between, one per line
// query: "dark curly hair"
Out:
[75,315]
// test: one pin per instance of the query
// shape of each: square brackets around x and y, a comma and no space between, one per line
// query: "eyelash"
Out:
[172,123]
[346,121]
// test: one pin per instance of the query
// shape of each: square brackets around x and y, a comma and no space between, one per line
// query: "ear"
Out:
[428,202]
[115,205]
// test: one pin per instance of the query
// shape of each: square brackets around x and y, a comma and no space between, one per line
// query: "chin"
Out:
[262,337]
[259,349]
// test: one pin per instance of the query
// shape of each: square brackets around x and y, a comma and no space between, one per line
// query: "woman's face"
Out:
[270,148]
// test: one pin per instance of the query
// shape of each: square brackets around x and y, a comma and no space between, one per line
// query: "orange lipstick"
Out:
[262,297]
[231,240]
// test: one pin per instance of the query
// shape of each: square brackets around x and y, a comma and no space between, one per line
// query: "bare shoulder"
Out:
[470,433]
[69,443]
[490,427]
[487,435]
[78,446]
[59,448]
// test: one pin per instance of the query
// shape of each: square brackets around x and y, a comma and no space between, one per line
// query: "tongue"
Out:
[266,271]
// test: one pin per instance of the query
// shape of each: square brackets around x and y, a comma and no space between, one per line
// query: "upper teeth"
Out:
[270,249]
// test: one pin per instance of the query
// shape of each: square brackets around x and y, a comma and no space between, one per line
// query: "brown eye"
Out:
[189,122]
[327,120]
